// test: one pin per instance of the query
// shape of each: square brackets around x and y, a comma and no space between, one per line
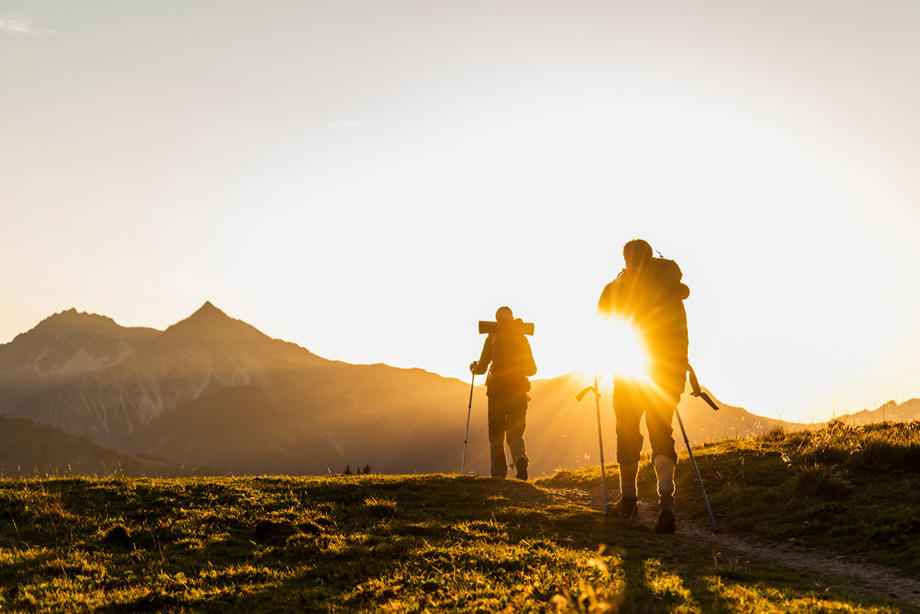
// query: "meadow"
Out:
[438,542]
[850,489]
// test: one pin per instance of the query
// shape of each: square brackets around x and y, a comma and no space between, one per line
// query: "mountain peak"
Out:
[208,309]
[209,321]
[71,319]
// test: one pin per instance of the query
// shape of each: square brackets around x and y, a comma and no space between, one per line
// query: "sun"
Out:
[615,348]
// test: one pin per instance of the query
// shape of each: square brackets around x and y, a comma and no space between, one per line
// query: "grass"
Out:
[360,543]
[850,489]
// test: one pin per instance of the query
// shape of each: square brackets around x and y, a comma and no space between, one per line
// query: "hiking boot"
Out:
[625,507]
[665,523]
[521,466]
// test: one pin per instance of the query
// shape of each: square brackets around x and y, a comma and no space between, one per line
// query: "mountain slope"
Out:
[28,450]
[234,429]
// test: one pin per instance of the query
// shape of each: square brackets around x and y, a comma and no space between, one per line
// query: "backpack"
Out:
[665,276]
[512,364]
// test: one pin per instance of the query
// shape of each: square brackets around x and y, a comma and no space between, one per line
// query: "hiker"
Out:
[649,294]
[506,386]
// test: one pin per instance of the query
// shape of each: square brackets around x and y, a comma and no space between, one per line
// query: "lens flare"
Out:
[616,349]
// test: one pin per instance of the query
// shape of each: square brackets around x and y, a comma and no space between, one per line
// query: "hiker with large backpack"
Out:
[508,352]
[649,294]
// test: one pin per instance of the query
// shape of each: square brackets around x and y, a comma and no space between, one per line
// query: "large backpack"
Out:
[665,277]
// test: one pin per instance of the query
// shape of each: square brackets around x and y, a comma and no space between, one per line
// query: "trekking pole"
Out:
[715,527]
[466,437]
[600,438]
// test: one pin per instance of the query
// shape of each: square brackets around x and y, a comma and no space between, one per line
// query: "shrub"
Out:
[118,536]
[777,433]
[381,508]
[822,481]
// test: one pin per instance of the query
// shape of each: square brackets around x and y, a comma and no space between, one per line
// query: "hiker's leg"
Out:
[499,466]
[658,419]
[629,439]
[516,422]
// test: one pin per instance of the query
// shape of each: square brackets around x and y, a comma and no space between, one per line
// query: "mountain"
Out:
[889,412]
[63,346]
[341,413]
[29,450]
[203,353]
[213,390]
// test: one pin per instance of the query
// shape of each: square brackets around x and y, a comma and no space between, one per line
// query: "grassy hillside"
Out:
[851,489]
[394,543]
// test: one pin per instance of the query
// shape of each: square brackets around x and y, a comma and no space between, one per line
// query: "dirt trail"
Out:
[883,580]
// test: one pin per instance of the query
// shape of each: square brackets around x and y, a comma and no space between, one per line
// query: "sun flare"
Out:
[616,349]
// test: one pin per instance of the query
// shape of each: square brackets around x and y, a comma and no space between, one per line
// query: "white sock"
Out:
[628,479]
[664,467]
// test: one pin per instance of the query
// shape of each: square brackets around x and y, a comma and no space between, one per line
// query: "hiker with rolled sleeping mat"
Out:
[508,351]
[649,294]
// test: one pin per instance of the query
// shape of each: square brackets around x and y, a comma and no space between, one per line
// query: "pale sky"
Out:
[369,179]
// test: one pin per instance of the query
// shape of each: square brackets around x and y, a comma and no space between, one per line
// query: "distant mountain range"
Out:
[889,412]
[212,393]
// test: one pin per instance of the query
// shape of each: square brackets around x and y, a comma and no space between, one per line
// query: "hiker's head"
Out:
[636,253]
[504,316]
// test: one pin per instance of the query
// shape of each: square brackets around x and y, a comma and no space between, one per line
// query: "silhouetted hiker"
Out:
[506,386]
[649,293]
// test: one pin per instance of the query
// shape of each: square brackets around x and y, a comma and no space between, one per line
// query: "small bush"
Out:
[822,481]
[777,433]
[118,536]
[381,508]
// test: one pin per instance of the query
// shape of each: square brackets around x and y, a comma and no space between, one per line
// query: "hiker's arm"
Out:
[480,366]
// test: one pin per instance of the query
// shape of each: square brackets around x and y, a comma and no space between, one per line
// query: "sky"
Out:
[370,179]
